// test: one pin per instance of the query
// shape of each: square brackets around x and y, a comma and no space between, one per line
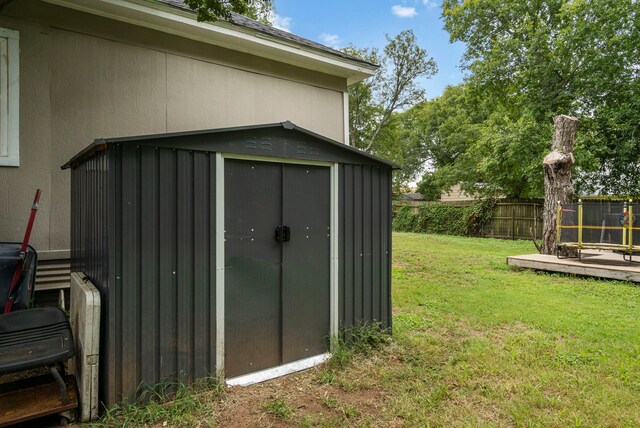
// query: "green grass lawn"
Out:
[475,343]
[486,344]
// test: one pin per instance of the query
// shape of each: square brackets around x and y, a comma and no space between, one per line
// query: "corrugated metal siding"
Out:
[365,245]
[89,240]
[143,230]
[158,291]
[88,219]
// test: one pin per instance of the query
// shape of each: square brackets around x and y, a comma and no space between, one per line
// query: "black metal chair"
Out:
[31,337]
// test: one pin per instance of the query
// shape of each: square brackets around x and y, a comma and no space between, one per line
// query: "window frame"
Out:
[9,97]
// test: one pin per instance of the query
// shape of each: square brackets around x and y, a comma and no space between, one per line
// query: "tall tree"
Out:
[471,141]
[536,59]
[558,186]
[392,89]
[428,188]
[363,108]
[400,143]
[213,10]
[449,127]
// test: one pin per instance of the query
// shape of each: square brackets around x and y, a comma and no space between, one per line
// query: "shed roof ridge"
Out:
[100,143]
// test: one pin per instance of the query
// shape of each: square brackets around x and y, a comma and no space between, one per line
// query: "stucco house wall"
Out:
[84,77]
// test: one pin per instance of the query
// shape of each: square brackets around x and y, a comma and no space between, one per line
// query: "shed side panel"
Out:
[358,265]
[89,225]
[203,362]
[89,228]
[346,256]
[110,349]
[129,282]
[386,247]
[149,274]
[166,213]
[365,249]
[367,243]
[376,242]
[184,273]
[161,294]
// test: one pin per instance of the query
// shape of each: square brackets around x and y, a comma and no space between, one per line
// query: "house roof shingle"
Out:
[243,21]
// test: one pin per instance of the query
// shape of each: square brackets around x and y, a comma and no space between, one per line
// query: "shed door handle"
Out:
[283,233]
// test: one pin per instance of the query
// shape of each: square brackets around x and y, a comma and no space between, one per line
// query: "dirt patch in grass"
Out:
[316,397]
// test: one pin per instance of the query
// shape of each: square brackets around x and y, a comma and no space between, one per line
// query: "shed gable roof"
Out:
[277,140]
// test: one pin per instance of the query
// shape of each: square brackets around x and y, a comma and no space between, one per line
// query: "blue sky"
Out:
[364,23]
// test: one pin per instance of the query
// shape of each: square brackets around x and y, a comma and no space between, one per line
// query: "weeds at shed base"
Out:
[360,340]
[168,403]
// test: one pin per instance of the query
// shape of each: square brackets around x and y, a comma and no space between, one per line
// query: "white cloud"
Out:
[404,12]
[430,4]
[331,40]
[280,22]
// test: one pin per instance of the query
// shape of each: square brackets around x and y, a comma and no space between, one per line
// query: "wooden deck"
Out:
[28,399]
[600,264]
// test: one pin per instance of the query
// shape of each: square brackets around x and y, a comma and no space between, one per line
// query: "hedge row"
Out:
[445,219]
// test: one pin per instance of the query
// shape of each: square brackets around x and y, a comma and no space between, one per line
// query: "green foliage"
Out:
[404,220]
[440,218]
[450,123]
[482,145]
[445,219]
[212,10]
[529,61]
[429,188]
[478,214]
[393,88]
[398,143]
[364,110]
[378,122]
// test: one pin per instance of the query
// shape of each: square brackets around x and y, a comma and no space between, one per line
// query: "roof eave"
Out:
[164,18]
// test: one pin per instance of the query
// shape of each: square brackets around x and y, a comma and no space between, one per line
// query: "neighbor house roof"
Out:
[240,34]
[411,197]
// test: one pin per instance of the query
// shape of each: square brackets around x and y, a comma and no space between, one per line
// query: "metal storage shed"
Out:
[231,250]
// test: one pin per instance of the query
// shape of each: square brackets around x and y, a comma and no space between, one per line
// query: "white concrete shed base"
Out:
[272,373]
[600,264]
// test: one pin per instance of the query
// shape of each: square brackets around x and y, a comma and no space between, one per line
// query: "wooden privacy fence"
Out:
[512,219]
[515,220]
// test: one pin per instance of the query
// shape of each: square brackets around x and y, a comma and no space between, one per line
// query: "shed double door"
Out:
[277,263]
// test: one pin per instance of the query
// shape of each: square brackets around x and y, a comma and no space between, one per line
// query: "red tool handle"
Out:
[23,250]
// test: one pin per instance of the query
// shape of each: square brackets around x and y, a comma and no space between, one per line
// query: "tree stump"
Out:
[558,186]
